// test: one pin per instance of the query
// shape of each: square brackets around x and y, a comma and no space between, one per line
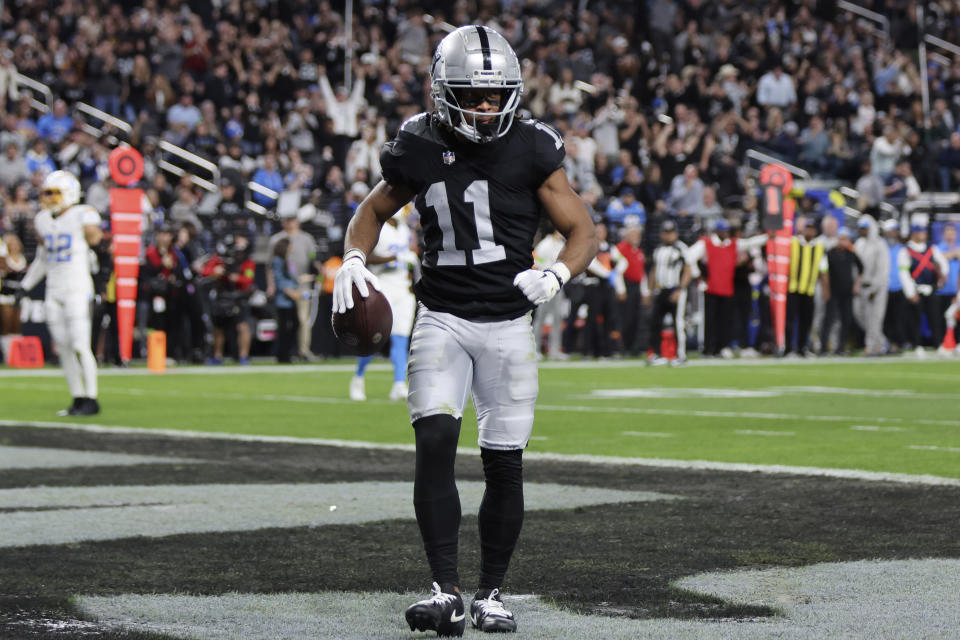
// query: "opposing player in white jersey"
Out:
[66,230]
[391,261]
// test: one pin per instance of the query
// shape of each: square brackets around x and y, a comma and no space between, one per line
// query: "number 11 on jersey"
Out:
[478,195]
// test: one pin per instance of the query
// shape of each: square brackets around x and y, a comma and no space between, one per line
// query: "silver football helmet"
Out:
[475,57]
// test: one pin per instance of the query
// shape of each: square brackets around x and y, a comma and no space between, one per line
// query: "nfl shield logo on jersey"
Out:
[448,157]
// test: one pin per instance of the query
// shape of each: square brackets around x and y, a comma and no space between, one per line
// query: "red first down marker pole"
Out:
[778,211]
[126,214]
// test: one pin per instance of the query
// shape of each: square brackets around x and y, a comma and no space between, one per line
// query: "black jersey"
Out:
[479,211]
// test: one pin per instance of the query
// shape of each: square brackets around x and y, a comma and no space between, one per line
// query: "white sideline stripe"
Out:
[647,434]
[56,372]
[666,463]
[584,364]
[752,432]
[870,427]
[918,447]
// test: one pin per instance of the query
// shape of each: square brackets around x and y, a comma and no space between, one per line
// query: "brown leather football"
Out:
[365,329]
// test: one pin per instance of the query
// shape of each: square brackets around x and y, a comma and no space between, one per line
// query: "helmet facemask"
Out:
[51,198]
[459,110]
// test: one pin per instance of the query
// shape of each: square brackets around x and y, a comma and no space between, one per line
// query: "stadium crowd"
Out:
[658,103]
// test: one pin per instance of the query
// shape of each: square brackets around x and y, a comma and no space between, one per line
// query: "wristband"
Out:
[561,272]
[355,253]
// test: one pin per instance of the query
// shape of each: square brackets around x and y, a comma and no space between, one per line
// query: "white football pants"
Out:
[496,361]
[68,319]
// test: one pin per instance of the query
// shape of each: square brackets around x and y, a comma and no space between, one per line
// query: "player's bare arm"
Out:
[378,207]
[92,234]
[361,238]
[570,217]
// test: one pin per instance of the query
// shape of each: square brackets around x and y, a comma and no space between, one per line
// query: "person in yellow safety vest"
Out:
[808,264]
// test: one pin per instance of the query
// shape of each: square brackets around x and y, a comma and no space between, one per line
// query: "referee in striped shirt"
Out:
[669,277]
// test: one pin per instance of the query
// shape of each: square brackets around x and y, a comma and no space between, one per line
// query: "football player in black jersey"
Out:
[481,183]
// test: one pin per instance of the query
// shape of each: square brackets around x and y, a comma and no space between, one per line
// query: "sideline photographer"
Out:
[163,276]
[229,277]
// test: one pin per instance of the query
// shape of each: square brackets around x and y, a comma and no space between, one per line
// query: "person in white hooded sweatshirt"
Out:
[872,250]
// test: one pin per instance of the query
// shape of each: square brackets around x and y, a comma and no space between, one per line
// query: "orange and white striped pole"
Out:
[776,182]
[126,215]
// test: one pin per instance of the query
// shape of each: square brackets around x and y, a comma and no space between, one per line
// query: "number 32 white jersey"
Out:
[67,253]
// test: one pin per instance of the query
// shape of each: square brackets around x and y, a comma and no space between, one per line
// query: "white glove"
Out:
[540,286]
[353,271]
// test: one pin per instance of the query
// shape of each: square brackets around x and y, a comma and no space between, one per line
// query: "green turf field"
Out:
[874,415]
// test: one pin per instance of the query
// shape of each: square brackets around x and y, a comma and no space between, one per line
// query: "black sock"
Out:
[501,514]
[435,497]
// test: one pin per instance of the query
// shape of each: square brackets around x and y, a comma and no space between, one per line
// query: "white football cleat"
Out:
[398,391]
[358,389]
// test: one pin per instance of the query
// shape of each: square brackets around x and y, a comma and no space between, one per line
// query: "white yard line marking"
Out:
[540,407]
[647,434]
[752,432]
[873,427]
[705,465]
[917,447]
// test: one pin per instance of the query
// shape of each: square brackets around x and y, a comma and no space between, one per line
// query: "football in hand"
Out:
[365,329]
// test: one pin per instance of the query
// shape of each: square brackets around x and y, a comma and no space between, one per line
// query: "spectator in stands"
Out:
[901,186]
[267,176]
[343,109]
[814,144]
[686,192]
[13,166]
[54,126]
[949,161]
[626,205]
[365,152]
[565,96]
[870,189]
[185,208]
[710,210]
[776,88]
[38,159]
[886,150]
